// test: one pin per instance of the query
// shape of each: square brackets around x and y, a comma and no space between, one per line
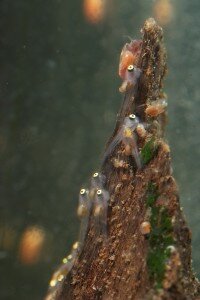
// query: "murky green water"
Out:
[58,102]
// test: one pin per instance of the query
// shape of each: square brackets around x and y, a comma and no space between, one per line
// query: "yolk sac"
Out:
[84,203]
[83,212]
[100,211]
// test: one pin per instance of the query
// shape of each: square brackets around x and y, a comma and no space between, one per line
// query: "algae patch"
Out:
[148,151]
[160,238]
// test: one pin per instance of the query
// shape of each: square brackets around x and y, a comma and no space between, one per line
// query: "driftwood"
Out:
[147,253]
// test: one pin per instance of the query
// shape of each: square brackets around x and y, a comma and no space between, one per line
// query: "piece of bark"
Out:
[130,264]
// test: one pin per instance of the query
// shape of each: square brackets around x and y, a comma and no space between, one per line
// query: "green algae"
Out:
[151,194]
[148,151]
[159,239]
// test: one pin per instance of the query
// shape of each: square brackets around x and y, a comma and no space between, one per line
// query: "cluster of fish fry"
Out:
[93,202]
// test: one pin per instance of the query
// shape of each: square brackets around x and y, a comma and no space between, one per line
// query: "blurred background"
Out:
[58,103]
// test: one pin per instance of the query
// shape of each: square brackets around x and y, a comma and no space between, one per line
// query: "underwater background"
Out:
[58,104]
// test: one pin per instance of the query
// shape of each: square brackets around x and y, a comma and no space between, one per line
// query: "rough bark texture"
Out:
[132,265]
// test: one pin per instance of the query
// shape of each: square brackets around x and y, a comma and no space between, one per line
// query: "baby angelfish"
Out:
[61,272]
[130,78]
[98,180]
[84,203]
[127,65]
[100,211]
[128,137]
[129,56]
[83,212]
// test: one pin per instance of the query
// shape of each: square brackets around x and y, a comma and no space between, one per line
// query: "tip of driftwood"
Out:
[149,24]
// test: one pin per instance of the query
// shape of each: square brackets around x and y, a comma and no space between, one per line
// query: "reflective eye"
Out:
[82,191]
[75,246]
[65,260]
[95,175]
[53,283]
[132,117]
[130,68]
[60,277]
[99,192]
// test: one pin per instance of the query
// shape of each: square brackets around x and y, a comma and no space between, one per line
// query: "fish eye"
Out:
[99,192]
[132,117]
[75,246]
[130,68]
[60,277]
[65,260]
[95,175]
[82,191]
